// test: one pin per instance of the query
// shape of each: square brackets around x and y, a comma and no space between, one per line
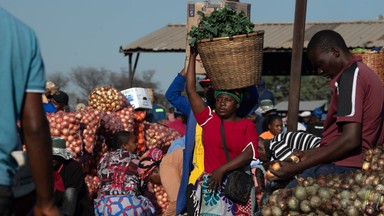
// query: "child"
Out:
[275,127]
[127,140]
[283,145]
[119,179]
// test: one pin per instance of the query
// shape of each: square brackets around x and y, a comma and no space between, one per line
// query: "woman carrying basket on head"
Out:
[241,141]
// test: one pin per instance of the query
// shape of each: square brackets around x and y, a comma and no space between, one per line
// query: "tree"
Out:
[88,79]
[312,87]
[81,81]
[59,79]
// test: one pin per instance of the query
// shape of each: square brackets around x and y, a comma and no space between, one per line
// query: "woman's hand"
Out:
[215,178]
[193,51]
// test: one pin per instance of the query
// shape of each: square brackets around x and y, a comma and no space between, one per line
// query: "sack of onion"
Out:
[107,99]
[161,196]
[157,196]
[66,126]
[126,117]
[159,136]
[90,123]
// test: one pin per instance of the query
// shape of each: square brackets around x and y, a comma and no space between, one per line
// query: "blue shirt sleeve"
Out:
[176,144]
[36,78]
[174,96]
[49,108]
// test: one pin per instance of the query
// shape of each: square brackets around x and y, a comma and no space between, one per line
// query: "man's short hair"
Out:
[325,40]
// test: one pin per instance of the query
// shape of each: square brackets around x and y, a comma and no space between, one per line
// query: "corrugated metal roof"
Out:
[171,38]
[277,36]
[303,105]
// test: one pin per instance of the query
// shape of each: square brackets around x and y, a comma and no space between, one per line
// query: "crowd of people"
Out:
[220,131]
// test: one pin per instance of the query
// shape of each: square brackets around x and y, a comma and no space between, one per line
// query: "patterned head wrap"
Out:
[149,161]
[237,95]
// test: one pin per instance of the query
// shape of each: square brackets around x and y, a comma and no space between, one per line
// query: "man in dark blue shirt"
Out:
[157,113]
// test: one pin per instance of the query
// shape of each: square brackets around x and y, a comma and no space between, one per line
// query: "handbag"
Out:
[239,183]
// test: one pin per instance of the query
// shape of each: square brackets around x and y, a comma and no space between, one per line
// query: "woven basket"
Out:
[375,60]
[233,62]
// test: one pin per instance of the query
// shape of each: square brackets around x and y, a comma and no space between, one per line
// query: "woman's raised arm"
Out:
[197,103]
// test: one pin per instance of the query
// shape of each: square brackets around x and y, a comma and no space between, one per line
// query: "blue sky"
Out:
[88,33]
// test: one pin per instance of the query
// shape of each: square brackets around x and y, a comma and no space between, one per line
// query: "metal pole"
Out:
[130,70]
[297,54]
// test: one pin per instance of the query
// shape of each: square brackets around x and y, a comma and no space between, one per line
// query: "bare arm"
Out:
[349,140]
[183,72]
[197,103]
[37,138]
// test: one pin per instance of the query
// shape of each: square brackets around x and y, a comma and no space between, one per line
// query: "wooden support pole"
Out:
[297,55]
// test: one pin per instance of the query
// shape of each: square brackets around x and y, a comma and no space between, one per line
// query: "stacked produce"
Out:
[92,183]
[67,126]
[159,198]
[158,135]
[139,117]
[90,123]
[85,129]
[230,49]
[126,117]
[355,193]
[107,99]
[89,132]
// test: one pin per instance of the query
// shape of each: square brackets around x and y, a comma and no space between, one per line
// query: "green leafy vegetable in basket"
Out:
[224,22]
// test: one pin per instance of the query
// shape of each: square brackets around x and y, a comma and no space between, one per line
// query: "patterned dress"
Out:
[119,189]
[215,203]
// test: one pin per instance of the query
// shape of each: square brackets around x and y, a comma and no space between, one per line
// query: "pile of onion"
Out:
[107,99]
[66,125]
[360,192]
[374,159]
[159,136]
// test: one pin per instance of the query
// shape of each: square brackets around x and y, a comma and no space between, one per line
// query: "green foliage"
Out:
[224,22]
[312,88]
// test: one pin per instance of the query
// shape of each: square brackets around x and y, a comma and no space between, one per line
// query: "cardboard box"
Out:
[208,7]
[150,92]
[138,97]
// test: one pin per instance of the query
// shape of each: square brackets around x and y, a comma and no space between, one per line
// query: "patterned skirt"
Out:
[214,203]
[123,205]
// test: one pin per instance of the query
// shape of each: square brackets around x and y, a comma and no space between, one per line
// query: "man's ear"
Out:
[237,105]
[335,51]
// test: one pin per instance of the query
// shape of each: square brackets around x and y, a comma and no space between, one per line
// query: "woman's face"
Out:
[276,127]
[226,105]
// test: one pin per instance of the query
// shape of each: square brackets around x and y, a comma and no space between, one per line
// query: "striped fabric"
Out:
[284,144]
